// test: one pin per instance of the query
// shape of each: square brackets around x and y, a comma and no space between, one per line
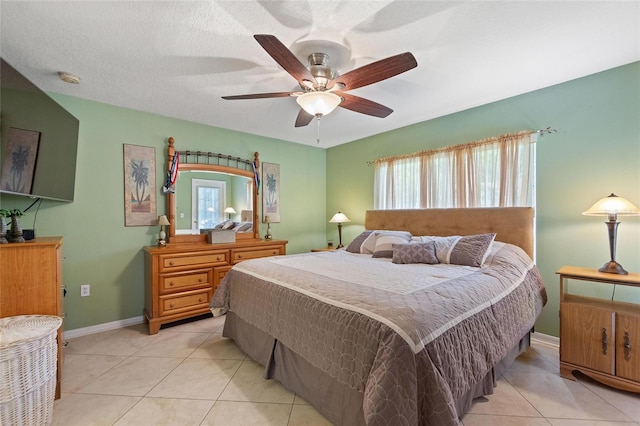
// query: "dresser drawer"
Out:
[184,302]
[186,280]
[218,275]
[180,261]
[239,255]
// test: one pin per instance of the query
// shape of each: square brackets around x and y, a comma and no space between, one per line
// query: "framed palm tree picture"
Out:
[139,185]
[19,160]
[270,192]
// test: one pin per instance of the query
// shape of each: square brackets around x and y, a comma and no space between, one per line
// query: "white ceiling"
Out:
[177,58]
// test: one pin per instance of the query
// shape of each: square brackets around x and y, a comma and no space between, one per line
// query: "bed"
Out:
[370,341]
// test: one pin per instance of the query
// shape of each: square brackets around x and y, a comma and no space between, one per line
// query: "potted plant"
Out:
[4,214]
[15,234]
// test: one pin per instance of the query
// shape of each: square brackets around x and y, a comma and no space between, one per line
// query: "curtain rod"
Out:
[546,131]
[540,132]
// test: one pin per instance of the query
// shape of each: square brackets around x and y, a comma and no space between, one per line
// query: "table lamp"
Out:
[339,218]
[162,237]
[267,235]
[229,211]
[612,206]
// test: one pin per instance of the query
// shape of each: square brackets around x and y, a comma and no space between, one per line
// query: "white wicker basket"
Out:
[28,364]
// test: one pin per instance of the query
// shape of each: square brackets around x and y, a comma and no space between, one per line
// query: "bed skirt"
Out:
[337,402]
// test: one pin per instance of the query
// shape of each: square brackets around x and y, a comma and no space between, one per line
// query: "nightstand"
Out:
[599,337]
[322,249]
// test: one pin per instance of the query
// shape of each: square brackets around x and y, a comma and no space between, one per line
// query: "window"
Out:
[495,172]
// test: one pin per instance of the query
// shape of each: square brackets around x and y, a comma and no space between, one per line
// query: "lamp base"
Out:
[613,267]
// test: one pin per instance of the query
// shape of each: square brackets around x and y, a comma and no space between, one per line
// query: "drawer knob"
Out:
[200,279]
[239,256]
[171,263]
[218,258]
[170,283]
[171,305]
[200,300]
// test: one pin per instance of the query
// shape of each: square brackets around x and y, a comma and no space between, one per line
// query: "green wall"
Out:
[596,151]
[99,250]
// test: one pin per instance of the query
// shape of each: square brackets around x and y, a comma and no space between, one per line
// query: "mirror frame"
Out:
[171,196]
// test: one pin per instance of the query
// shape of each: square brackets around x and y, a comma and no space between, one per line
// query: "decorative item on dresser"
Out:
[267,234]
[599,337]
[181,276]
[162,236]
[31,283]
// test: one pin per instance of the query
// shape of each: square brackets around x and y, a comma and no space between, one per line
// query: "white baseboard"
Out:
[546,339]
[79,332]
[114,325]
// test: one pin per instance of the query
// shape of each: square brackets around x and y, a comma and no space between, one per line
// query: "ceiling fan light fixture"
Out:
[319,103]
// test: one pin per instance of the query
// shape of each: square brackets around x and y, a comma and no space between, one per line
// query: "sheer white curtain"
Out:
[494,172]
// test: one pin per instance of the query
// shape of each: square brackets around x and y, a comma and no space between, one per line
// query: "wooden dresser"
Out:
[31,283]
[180,279]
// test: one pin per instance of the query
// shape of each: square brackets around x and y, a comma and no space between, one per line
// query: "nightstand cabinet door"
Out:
[588,337]
[628,346]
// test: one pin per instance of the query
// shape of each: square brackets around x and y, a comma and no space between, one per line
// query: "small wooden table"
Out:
[313,250]
[599,337]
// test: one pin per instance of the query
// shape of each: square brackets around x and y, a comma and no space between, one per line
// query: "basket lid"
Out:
[18,329]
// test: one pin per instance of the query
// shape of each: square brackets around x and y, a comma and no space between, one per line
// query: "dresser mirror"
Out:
[204,185]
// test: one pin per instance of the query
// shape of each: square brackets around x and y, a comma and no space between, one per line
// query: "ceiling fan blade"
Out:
[364,106]
[283,56]
[376,71]
[260,96]
[303,118]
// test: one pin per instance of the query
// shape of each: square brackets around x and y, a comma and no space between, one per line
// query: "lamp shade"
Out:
[318,103]
[230,210]
[162,220]
[339,218]
[612,205]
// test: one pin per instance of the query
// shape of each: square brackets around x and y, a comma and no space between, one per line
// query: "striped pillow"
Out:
[385,241]
[470,250]
[356,245]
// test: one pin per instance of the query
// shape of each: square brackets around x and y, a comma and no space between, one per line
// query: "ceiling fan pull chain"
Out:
[318,137]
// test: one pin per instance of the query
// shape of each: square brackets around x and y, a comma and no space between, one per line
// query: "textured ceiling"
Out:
[178,58]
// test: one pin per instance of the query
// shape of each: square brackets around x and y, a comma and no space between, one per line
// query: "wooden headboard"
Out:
[512,225]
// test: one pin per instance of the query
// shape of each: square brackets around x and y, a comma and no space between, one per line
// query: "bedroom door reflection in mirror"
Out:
[208,198]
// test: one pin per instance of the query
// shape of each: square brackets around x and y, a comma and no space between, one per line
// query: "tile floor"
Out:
[190,375]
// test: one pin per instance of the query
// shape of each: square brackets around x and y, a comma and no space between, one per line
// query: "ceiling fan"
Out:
[322,88]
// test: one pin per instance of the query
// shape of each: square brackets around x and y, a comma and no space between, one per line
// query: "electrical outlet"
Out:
[85,290]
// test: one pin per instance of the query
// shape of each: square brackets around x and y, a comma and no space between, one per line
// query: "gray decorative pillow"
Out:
[356,244]
[243,227]
[415,253]
[471,250]
[385,241]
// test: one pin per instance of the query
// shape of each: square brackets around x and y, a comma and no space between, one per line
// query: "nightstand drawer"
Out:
[177,261]
[185,281]
[185,302]
[240,255]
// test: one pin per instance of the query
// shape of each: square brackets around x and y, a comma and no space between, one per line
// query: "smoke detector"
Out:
[67,77]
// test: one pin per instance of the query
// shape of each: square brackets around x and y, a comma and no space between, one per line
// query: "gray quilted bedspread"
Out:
[413,338]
